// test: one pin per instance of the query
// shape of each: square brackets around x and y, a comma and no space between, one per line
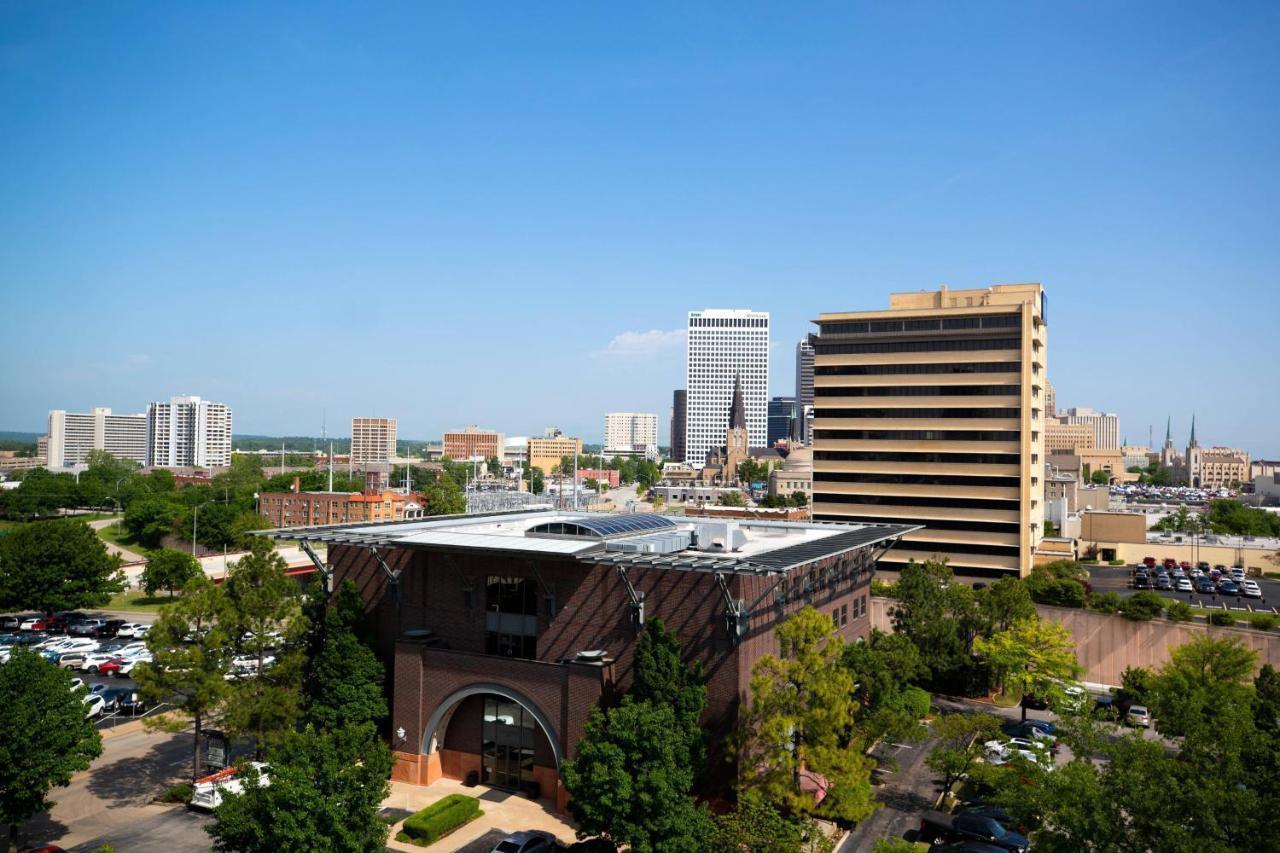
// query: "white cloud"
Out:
[643,344]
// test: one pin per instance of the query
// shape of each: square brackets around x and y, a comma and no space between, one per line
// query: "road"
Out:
[112,803]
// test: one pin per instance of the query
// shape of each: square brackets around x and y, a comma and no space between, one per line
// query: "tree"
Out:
[732,497]
[660,676]
[1100,477]
[536,480]
[148,520]
[954,756]
[1033,657]
[1142,606]
[883,669]
[56,565]
[343,676]
[799,499]
[326,789]
[631,781]
[938,616]
[799,728]
[191,651]
[1004,602]
[494,464]
[1202,679]
[266,625]
[168,569]
[1058,592]
[44,736]
[1137,686]
[444,497]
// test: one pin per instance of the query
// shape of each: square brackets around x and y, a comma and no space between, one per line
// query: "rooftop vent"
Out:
[719,536]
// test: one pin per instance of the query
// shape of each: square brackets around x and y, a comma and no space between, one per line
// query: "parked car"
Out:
[1216,572]
[1202,566]
[112,666]
[93,705]
[207,792]
[527,842]
[129,629]
[1149,561]
[76,684]
[35,623]
[1228,587]
[95,660]
[108,629]
[126,668]
[1204,585]
[965,847]
[1185,585]
[1237,574]
[937,828]
[10,623]
[120,699]
[1138,716]
[1169,562]
[1251,589]
[1163,583]
[85,627]
[70,659]
[1141,582]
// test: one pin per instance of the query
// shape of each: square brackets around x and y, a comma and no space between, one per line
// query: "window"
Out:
[844,614]
[511,617]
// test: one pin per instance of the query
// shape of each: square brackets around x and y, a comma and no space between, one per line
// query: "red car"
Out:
[1170,563]
[1149,562]
[1186,567]
[111,667]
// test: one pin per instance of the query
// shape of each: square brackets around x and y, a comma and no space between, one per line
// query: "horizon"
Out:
[503,216]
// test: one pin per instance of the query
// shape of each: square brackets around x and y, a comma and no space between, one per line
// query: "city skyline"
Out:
[189,192]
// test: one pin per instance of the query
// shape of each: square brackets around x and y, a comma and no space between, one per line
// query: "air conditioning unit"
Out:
[719,536]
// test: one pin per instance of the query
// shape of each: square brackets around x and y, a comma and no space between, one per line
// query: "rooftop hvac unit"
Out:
[719,536]
[654,543]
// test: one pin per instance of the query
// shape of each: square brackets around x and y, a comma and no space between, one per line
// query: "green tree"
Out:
[326,789]
[660,676]
[938,616]
[494,464]
[756,826]
[536,480]
[631,782]
[800,725]
[266,625]
[344,677]
[444,496]
[883,670]
[1100,477]
[955,754]
[148,520]
[1032,657]
[1058,592]
[1137,686]
[732,497]
[56,565]
[44,736]
[1202,679]
[168,569]
[894,845]
[799,499]
[191,651]
[1004,602]
[1143,606]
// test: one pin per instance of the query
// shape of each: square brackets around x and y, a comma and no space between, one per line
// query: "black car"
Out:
[966,847]
[122,699]
[938,827]
[108,629]
[1141,582]
[987,810]
[1204,585]
[1228,587]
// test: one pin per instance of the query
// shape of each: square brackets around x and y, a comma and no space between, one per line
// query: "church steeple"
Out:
[1168,430]
[738,409]
[1193,430]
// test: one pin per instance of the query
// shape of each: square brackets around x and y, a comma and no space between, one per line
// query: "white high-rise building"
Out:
[1106,426]
[723,344]
[373,441]
[72,435]
[188,432]
[630,431]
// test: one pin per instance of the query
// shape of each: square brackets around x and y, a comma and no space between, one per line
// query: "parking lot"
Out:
[1119,579]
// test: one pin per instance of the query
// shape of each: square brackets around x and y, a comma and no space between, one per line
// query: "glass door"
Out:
[507,751]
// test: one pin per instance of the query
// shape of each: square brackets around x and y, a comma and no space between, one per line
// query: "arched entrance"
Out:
[498,733]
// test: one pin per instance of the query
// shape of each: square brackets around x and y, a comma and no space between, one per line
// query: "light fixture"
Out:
[400,733]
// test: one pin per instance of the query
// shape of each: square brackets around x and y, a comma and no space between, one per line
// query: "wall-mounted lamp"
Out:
[400,733]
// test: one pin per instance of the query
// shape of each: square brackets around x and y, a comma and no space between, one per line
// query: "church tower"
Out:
[1168,455]
[736,439]
[1194,458]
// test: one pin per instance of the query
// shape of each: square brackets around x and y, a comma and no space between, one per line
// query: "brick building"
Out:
[471,442]
[297,508]
[503,631]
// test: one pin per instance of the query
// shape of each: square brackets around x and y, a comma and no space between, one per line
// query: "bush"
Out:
[1061,592]
[177,794]
[1219,617]
[1090,561]
[887,590]
[1263,621]
[1105,602]
[1142,606]
[916,701]
[1178,611]
[1115,562]
[443,816]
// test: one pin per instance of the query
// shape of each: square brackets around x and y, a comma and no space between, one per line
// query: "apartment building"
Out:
[1062,437]
[630,432]
[188,432]
[373,441]
[932,413]
[725,344]
[546,452]
[72,435]
[471,442]
[1106,425]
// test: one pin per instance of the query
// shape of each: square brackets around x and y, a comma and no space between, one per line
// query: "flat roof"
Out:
[768,547]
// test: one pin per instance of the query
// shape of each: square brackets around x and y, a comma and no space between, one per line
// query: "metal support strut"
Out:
[736,614]
[325,571]
[636,596]
[393,577]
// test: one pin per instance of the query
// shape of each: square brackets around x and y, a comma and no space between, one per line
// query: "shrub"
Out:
[1061,592]
[916,701]
[177,794]
[427,826]
[1263,621]
[1220,617]
[1105,602]
[1142,606]
[1178,611]
[879,587]
[1115,562]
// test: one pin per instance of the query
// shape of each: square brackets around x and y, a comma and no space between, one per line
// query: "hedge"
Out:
[1116,563]
[1263,621]
[1218,617]
[443,816]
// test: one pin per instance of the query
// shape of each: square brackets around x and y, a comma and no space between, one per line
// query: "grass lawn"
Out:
[136,600]
[117,535]
[95,516]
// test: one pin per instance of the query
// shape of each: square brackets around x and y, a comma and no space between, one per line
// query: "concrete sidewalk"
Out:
[504,811]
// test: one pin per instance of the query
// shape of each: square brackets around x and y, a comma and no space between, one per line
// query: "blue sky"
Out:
[500,213]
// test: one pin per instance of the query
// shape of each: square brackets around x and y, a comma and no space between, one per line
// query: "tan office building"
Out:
[546,453]
[373,441]
[932,412]
[471,441]
[1067,438]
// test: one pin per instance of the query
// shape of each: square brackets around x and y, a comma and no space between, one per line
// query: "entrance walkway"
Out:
[504,811]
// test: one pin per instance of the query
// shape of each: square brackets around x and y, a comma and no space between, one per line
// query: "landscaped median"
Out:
[439,819]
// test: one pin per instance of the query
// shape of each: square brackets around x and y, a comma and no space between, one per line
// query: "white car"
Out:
[93,705]
[126,668]
[207,792]
[1184,585]
[130,629]
[97,659]
[1250,588]
[29,624]
[1237,574]
[76,684]
[999,753]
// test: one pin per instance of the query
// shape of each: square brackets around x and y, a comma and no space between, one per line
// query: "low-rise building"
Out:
[795,474]
[1060,437]
[297,508]
[608,476]
[472,442]
[547,452]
